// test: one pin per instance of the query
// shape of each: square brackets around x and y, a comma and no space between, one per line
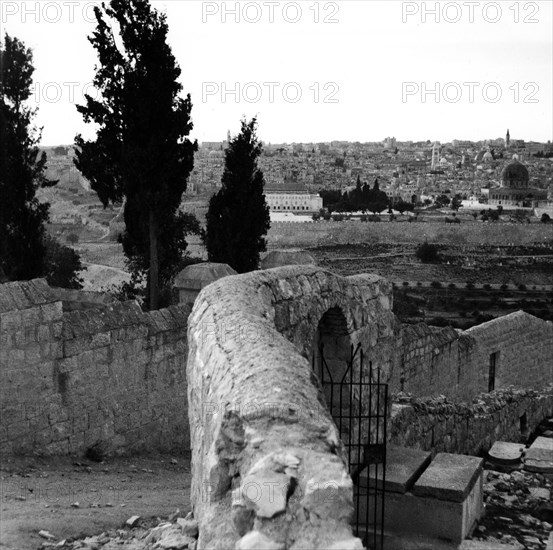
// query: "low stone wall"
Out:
[439,425]
[433,361]
[324,233]
[71,379]
[268,466]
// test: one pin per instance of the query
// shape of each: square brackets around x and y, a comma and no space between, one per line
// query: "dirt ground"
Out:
[73,497]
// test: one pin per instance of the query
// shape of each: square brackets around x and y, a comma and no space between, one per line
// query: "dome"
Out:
[488,157]
[279,258]
[515,175]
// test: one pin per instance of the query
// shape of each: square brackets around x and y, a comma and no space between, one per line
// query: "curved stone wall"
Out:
[268,465]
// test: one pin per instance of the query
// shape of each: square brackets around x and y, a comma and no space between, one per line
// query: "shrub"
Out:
[427,253]
[452,285]
[522,287]
[504,286]
[405,283]
[436,284]
[469,286]
[487,286]
[72,238]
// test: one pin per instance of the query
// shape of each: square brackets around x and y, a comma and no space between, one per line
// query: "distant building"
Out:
[291,197]
[515,188]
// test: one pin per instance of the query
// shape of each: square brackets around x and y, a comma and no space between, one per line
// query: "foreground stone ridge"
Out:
[268,465]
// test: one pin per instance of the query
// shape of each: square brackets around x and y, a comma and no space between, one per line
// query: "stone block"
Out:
[506,453]
[450,477]
[543,443]
[538,460]
[403,467]
[411,515]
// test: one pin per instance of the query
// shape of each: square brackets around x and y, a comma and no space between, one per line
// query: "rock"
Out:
[348,544]
[132,521]
[189,527]
[255,540]
[265,492]
[242,519]
[173,539]
[46,535]
[539,493]
[155,534]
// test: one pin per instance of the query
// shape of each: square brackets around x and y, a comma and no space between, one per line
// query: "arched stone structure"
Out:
[267,460]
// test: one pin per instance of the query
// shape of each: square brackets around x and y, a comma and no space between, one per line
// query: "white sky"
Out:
[374,62]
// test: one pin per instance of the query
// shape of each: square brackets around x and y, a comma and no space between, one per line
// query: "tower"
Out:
[435,156]
[507,140]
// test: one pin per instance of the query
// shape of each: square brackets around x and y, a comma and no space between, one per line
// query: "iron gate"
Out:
[358,402]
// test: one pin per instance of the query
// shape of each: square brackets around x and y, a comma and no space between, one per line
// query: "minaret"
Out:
[435,156]
[507,140]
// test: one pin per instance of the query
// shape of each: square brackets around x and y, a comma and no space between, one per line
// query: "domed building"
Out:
[515,188]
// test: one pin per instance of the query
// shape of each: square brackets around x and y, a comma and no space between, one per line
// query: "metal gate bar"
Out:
[362,422]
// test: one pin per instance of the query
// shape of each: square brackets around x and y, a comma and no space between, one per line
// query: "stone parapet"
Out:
[267,460]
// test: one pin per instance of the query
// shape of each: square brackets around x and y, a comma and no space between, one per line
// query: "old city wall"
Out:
[268,467]
[76,370]
[432,361]
[439,425]
[325,233]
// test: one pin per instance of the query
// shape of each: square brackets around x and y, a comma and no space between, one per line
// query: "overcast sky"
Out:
[320,71]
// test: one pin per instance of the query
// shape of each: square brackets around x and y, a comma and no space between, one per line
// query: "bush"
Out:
[469,286]
[62,265]
[487,286]
[504,286]
[427,253]
[522,287]
[405,283]
[452,285]
[72,238]
[338,218]
[436,284]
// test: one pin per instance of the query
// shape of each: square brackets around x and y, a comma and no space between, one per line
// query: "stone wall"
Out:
[268,466]
[433,361]
[72,375]
[323,233]
[440,425]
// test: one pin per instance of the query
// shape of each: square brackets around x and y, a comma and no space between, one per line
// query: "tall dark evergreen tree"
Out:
[238,216]
[141,153]
[22,168]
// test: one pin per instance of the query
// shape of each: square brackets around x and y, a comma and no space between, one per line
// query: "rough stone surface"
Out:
[449,477]
[257,412]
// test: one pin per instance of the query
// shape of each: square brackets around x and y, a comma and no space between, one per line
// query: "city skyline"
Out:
[373,69]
